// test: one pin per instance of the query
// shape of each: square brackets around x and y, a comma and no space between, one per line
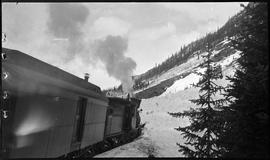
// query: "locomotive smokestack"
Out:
[86,77]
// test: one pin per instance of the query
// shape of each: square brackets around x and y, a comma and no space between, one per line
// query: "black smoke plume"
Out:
[111,52]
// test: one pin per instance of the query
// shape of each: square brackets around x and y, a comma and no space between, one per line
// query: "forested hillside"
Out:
[194,48]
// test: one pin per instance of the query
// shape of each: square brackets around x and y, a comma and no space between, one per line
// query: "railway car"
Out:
[47,112]
[122,117]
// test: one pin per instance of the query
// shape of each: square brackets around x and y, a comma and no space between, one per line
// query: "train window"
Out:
[80,116]
[110,111]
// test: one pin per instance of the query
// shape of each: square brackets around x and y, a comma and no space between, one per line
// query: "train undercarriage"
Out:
[107,144]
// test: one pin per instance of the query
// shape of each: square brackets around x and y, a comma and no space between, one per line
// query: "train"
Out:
[47,112]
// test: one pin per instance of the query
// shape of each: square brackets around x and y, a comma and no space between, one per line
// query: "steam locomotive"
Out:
[47,112]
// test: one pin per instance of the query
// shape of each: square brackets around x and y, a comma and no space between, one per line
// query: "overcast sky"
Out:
[109,40]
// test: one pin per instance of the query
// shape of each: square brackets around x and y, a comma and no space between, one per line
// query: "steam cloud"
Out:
[65,22]
[111,52]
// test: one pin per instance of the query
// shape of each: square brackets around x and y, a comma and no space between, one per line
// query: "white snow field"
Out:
[159,137]
[192,63]
[193,78]
[182,84]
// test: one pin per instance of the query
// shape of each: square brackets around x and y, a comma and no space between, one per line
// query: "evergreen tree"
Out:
[203,132]
[247,116]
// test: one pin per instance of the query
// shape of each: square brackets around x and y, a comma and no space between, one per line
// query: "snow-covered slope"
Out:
[193,62]
[186,82]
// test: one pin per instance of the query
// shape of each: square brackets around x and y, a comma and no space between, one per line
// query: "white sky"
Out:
[153,32]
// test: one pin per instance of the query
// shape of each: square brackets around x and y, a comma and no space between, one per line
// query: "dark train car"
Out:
[122,116]
[47,112]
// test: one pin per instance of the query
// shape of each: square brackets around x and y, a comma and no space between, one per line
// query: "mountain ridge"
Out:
[221,46]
